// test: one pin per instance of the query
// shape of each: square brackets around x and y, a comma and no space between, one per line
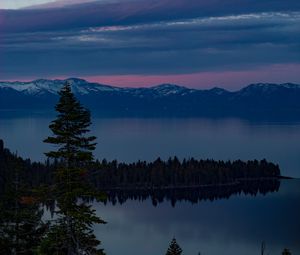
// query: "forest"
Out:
[157,177]
[173,180]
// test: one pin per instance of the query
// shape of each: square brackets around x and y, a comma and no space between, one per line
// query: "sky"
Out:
[196,43]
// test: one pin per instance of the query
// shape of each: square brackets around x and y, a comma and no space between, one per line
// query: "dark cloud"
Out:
[124,12]
[149,37]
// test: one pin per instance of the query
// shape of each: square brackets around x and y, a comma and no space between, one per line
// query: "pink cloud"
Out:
[232,80]
[227,79]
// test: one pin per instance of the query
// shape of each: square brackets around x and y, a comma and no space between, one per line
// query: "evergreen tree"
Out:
[21,227]
[174,248]
[71,232]
[286,252]
[263,248]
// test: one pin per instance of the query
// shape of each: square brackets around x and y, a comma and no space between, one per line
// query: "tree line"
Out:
[175,173]
[157,181]
[175,249]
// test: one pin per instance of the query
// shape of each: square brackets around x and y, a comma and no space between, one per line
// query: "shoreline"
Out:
[231,184]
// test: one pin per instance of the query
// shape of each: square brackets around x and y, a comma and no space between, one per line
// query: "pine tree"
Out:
[69,129]
[21,227]
[174,248]
[263,248]
[286,252]
[72,232]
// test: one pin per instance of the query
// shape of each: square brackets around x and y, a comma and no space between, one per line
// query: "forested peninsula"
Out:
[189,179]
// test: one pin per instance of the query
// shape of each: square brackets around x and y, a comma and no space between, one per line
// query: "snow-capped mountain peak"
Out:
[82,87]
[170,89]
[43,86]
[261,99]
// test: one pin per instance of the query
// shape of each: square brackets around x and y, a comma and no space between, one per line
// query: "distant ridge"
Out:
[260,99]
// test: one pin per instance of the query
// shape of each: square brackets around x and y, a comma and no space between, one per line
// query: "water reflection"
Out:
[226,220]
[227,226]
[194,195]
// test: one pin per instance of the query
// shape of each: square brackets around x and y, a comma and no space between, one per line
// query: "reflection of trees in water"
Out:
[175,173]
[194,195]
[21,228]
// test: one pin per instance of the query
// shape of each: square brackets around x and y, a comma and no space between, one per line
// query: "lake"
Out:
[146,139]
[237,225]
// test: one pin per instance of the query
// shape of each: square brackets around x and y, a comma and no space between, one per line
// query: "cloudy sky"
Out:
[197,43]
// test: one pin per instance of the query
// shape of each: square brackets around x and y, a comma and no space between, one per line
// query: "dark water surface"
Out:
[146,139]
[237,225]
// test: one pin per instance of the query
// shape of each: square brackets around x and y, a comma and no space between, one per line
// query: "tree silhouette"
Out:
[71,232]
[21,227]
[286,252]
[263,248]
[174,248]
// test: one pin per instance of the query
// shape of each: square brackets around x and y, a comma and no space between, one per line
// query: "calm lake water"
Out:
[236,225]
[146,139]
[222,227]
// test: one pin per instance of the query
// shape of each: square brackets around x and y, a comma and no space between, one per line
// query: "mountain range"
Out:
[261,100]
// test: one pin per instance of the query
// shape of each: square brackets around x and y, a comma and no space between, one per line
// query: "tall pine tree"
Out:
[71,232]
[174,248]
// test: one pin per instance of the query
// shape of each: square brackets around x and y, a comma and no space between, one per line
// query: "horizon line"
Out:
[143,87]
